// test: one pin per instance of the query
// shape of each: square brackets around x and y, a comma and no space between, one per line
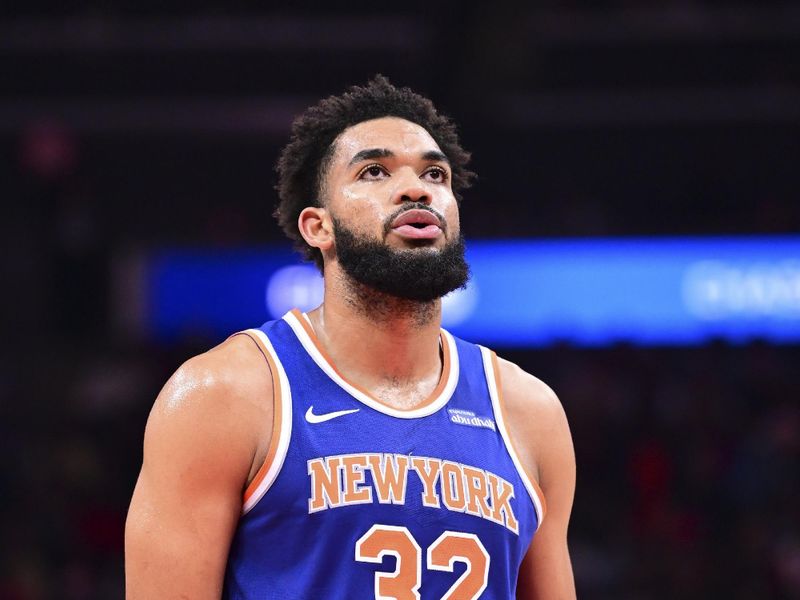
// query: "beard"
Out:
[418,274]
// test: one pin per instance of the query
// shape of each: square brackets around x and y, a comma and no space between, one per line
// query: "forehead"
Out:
[392,133]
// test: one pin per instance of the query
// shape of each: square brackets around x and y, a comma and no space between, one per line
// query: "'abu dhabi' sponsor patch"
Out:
[467,417]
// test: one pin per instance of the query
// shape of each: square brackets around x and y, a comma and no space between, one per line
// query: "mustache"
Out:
[387,225]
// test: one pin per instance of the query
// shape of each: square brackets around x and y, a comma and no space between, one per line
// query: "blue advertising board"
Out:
[661,291]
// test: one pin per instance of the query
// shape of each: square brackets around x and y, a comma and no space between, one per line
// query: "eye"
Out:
[372,172]
[436,174]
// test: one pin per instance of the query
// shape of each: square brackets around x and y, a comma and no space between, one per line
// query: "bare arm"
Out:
[541,434]
[203,441]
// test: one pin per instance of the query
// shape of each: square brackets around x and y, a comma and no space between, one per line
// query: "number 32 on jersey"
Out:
[405,581]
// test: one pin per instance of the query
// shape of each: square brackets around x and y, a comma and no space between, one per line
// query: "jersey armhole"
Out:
[281,423]
[492,370]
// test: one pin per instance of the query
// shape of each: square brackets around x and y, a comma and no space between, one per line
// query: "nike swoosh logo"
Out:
[312,418]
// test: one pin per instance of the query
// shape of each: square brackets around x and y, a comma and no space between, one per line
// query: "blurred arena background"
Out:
[136,150]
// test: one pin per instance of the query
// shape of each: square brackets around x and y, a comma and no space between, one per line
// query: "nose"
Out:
[410,189]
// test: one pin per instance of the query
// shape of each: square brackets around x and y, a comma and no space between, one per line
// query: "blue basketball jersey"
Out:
[358,500]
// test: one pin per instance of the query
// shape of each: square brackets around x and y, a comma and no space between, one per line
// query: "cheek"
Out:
[451,213]
[454,221]
[355,196]
[359,209]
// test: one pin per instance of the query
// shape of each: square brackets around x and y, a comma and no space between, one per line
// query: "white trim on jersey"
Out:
[285,433]
[330,371]
[491,380]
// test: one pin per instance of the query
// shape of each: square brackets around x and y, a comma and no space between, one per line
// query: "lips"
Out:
[417,224]
[416,217]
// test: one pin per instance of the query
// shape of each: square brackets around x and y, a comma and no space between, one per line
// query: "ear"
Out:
[316,228]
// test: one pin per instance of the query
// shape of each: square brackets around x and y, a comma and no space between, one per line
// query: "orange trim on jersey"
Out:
[277,411]
[496,369]
[429,400]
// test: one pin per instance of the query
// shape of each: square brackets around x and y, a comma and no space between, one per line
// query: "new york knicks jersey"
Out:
[358,500]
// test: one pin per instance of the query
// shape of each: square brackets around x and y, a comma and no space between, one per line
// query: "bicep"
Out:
[187,499]
[539,427]
[546,571]
[176,546]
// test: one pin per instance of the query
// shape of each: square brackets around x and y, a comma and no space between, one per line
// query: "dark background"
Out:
[127,126]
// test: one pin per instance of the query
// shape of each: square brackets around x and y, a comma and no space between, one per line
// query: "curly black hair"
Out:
[304,161]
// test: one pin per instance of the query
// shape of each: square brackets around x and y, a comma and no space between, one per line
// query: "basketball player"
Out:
[358,451]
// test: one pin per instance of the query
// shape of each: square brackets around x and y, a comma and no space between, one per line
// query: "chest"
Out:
[426,497]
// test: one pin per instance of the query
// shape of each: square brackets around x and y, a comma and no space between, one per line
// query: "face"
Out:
[383,165]
[391,210]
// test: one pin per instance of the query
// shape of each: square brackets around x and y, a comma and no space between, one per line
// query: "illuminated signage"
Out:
[524,292]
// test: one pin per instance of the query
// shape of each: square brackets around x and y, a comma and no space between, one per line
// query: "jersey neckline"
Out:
[438,398]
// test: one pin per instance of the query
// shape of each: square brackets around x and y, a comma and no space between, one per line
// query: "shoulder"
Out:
[231,375]
[528,399]
[200,443]
[536,422]
[220,399]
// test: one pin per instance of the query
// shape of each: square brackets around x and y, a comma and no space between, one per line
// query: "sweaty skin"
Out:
[210,427]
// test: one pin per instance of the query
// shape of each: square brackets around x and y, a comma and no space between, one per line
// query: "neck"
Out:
[377,340]
[400,316]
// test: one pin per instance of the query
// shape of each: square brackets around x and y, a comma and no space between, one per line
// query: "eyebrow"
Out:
[435,155]
[372,153]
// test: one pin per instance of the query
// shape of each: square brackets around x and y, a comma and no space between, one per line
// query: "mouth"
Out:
[417,224]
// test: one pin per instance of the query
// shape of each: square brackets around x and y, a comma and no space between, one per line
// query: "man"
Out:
[358,451]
